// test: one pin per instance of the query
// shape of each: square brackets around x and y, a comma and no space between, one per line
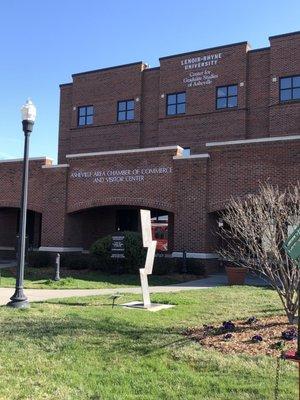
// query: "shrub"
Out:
[165,265]
[78,261]
[134,253]
[195,267]
[39,259]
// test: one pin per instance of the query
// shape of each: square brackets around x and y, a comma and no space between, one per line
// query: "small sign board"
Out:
[118,246]
[292,244]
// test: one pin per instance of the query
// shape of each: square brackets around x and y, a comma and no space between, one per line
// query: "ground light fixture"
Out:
[18,299]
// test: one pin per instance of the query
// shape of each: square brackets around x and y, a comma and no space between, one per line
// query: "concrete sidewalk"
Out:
[46,294]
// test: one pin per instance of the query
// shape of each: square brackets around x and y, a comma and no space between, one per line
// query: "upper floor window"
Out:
[290,88]
[85,115]
[125,110]
[186,152]
[176,103]
[227,96]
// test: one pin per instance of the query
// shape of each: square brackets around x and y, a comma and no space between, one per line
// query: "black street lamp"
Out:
[19,300]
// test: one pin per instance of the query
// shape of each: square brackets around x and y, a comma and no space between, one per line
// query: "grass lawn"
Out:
[42,278]
[83,349]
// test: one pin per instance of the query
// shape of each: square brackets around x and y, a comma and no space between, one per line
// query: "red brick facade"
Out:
[137,163]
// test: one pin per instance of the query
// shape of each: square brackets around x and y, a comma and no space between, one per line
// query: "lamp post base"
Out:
[18,300]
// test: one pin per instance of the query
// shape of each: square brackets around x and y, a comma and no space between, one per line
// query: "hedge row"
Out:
[100,259]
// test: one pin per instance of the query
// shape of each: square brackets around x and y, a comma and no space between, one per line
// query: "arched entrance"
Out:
[86,226]
[9,228]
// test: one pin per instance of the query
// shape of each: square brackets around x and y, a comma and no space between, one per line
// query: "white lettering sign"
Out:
[120,175]
[199,74]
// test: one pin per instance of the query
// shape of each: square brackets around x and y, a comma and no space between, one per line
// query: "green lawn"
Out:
[83,349]
[42,278]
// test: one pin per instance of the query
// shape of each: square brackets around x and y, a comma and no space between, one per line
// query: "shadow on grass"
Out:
[122,336]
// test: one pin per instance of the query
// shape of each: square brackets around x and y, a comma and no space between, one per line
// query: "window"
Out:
[226,96]
[125,110]
[85,115]
[290,88]
[186,152]
[176,103]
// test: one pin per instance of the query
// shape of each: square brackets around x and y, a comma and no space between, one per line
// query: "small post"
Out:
[184,268]
[57,267]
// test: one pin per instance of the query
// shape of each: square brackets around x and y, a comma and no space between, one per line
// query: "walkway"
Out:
[46,294]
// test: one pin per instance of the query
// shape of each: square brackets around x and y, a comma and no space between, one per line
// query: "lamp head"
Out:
[28,112]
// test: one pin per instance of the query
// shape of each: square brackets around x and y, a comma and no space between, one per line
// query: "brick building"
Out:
[179,139]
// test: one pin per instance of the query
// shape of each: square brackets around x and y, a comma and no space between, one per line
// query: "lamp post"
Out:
[18,299]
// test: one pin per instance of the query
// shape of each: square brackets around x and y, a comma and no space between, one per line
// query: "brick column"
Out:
[190,220]
[54,213]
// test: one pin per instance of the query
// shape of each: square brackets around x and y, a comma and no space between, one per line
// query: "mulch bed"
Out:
[270,329]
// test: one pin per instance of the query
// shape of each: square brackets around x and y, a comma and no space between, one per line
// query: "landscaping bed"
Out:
[266,336]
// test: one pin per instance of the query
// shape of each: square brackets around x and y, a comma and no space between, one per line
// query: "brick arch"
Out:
[16,204]
[121,201]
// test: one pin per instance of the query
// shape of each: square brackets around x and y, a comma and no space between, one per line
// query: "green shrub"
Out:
[40,259]
[195,267]
[78,261]
[166,265]
[101,250]
[134,253]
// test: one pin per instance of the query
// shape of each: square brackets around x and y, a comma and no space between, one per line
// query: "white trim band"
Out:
[61,249]
[205,155]
[7,248]
[30,159]
[132,151]
[202,256]
[249,141]
[56,166]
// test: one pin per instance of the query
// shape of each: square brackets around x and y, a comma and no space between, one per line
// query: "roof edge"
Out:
[108,68]
[207,49]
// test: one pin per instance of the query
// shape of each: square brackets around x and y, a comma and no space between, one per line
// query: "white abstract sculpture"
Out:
[151,245]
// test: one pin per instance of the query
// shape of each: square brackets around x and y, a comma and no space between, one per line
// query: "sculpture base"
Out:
[151,307]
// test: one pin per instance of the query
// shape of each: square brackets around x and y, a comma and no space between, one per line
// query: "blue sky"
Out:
[44,42]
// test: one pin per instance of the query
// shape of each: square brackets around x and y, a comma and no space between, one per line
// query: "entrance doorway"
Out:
[127,220]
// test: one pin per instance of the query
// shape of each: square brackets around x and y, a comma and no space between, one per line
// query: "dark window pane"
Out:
[232,101]
[130,114]
[285,83]
[181,108]
[296,81]
[90,110]
[122,116]
[232,90]
[181,98]
[130,105]
[89,119]
[81,121]
[222,103]
[222,92]
[122,106]
[285,94]
[171,98]
[296,94]
[82,111]
[171,110]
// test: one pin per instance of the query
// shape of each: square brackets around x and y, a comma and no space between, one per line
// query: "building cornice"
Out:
[193,156]
[56,166]
[253,141]
[61,249]
[30,159]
